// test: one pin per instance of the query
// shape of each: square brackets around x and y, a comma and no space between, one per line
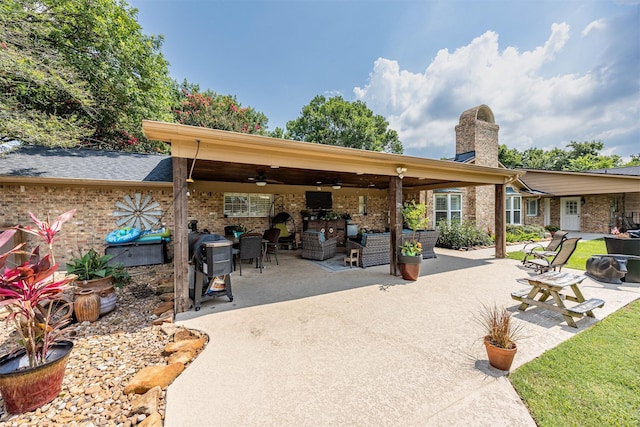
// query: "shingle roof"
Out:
[627,170]
[43,162]
[464,157]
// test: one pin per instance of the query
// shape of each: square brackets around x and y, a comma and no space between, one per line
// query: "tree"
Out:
[635,160]
[211,110]
[335,121]
[101,48]
[580,156]
[44,100]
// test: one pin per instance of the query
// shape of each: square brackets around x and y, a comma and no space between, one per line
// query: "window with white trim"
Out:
[514,209]
[362,205]
[447,206]
[247,204]
[532,207]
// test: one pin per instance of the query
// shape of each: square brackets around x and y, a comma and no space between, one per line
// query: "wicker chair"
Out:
[314,246]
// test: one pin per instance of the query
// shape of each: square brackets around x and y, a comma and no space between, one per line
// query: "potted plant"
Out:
[96,272]
[500,335]
[305,214]
[32,294]
[410,258]
[551,229]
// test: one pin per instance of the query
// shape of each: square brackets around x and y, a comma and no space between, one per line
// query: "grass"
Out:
[578,260]
[593,379]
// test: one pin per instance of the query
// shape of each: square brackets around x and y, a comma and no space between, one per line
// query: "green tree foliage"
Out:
[44,99]
[211,110]
[635,160]
[112,75]
[335,121]
[579,156]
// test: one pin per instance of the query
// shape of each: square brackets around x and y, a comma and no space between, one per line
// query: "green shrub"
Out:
[461,234]
[524,233]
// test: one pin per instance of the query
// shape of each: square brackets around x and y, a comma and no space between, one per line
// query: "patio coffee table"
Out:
[551,284]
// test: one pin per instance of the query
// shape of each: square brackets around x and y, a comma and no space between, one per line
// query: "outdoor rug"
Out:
[334,264]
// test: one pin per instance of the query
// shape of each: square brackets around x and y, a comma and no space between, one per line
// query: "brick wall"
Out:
[596,215]
[208,210]
[92,221]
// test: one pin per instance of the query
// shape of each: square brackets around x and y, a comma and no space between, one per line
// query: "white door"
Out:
[570,213]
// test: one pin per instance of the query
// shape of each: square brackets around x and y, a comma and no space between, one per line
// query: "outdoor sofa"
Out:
[373,248]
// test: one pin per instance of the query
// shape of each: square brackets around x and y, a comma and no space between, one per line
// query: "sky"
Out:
[552,72]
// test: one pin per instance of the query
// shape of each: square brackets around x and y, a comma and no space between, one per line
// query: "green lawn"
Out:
[593,379]
[578,260]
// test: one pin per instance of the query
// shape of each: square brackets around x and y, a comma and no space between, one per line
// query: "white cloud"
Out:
[532,109]
[599,24]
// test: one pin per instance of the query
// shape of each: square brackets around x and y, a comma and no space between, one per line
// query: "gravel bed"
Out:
[106,355]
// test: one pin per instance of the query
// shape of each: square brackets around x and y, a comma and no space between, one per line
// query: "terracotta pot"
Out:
[410,266]
[500,358]
[86,305]
[25,389]
[95,284]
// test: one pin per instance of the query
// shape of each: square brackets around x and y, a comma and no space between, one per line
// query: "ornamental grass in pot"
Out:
[500,335]
[32,295]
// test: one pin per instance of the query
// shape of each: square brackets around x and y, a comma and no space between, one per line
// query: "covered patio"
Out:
[228,158]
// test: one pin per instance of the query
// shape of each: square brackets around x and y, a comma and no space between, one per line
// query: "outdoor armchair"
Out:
[315,246]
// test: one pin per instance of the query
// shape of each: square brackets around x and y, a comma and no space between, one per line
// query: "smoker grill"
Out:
[211,258]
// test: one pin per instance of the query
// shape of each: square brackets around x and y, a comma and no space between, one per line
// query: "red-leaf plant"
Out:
[32,295]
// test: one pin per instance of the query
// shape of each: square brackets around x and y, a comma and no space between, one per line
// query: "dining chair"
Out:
[250,248]
[271,236]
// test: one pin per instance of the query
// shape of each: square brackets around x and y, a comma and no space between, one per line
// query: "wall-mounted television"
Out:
[319,200]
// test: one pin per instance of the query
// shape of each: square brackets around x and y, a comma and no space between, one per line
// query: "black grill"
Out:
[211,257]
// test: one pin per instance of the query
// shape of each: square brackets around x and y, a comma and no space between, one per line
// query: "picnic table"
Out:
[556,285]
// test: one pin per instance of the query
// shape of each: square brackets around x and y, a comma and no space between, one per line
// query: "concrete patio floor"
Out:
[300,346]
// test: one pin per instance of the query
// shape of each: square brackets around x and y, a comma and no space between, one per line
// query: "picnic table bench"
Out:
[555,284]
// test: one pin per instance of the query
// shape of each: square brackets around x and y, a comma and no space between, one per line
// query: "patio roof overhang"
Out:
[224,156]
[230,157]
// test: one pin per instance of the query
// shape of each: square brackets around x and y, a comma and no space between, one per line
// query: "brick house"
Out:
[593,201]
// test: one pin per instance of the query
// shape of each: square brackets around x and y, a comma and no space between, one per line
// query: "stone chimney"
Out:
[477,132]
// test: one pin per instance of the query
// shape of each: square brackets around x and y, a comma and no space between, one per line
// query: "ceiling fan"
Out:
[261,179]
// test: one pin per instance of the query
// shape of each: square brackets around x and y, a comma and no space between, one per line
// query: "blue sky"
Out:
[551,71]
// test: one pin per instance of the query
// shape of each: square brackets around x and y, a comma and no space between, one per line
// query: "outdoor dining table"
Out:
[556,285]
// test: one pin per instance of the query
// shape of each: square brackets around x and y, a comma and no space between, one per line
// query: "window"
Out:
[514,204]
[532,207]
[247,204]
[362,205]
[447,206]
